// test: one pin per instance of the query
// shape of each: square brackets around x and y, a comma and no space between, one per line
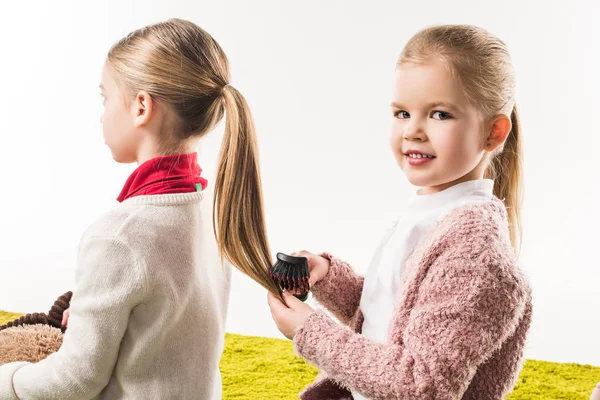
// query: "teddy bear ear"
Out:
[30,343]
[55,315]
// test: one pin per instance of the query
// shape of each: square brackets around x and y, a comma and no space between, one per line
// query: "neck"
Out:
[149,150]
[477,173]
[177,173]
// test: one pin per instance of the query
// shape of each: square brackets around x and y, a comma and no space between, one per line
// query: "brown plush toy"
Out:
[34,337]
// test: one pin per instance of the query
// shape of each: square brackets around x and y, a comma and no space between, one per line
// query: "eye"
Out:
[401,114]
[441,115]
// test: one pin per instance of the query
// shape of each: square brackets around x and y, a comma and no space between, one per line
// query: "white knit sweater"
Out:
[148,312]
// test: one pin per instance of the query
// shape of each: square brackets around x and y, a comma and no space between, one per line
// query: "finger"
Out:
[276,305]
[270,298]
[301,253]
[271,301]
[291,300]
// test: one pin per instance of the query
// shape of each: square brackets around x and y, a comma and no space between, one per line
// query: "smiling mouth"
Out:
[419,155]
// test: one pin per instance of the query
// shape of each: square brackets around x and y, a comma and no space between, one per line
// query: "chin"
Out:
[420,180]
[117,157]
[425,181]
[120,157]
[419,183]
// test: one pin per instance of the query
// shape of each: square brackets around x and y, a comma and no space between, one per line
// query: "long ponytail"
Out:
[238,208]
[180,64]
[507,171]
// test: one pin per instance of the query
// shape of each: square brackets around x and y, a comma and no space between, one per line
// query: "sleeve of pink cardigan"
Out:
[462,317]
[340,290]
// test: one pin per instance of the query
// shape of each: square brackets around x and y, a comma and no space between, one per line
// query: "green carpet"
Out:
[256,368]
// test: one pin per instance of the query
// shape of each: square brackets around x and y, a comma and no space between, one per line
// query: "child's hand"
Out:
[65,318]
[288,319]
[317,265]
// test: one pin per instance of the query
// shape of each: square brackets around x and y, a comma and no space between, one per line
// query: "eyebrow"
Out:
[431,105]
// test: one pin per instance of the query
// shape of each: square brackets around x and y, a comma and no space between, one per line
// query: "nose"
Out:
[414,132]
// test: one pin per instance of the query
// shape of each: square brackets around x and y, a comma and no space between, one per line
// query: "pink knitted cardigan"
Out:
[459,327]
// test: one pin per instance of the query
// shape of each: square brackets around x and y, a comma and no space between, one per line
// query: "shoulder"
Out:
[113,226]
[111,222]
[131,220]
[482,224]
[470,254]
[126,224]
[107,254]
[475,239]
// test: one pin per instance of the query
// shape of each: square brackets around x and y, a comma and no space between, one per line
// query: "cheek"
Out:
[396,135]
[460,148]
[110,128]
[396,138]
[105,119]
[112,120]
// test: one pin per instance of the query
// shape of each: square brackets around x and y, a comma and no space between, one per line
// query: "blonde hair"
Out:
[482,65]
[182,66]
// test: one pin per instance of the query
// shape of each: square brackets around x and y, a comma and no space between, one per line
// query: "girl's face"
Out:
[119,130]
[437,136]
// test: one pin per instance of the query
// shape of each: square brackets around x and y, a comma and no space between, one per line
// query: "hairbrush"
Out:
[292,273]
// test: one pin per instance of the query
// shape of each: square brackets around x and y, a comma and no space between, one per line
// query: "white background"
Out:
[318,76]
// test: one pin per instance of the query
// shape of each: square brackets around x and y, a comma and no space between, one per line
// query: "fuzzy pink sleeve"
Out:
[340,290]
[465,309]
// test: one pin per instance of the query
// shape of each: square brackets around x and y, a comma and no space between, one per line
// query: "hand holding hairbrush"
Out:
[292,273]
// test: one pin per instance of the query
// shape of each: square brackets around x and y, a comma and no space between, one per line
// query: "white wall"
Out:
[318,77]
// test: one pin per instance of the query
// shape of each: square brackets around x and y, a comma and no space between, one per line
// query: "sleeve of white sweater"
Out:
[110,282]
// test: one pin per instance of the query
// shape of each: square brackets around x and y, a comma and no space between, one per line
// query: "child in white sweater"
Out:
[147,317]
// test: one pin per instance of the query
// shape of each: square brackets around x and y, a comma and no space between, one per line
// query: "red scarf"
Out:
[178,173]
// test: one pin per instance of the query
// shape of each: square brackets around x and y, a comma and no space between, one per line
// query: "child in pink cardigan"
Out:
[444,310]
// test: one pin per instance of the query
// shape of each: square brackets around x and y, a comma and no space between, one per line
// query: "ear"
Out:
[501,126]
[143,108]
